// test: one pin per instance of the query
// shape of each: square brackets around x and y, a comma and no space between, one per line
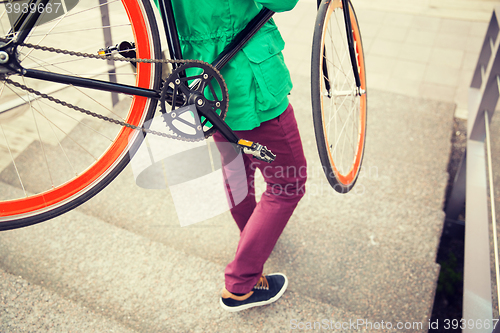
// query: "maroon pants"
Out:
[262,223]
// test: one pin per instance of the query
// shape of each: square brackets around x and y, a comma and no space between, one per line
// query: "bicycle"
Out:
[48,92]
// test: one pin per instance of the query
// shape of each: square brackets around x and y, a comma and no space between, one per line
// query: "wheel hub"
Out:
[4,57]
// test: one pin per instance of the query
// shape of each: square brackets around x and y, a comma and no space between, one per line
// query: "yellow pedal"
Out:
[245,143]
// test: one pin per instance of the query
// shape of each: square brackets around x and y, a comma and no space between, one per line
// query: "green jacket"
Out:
[257,78]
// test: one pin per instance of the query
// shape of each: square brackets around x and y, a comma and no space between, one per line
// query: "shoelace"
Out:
[262,284]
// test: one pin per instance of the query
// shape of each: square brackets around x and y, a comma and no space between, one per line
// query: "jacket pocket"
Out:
[267,63]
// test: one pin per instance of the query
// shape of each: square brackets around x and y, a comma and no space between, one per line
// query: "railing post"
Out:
[483,98]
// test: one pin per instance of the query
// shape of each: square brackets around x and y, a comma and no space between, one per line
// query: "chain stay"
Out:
[87,112]
[93,56]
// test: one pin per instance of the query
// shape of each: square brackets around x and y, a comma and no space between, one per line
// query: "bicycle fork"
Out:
[352,51]
[350,42]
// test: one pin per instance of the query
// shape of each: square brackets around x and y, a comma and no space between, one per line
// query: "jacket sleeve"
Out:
[278,5]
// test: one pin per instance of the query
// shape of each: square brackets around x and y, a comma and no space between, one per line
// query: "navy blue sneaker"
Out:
[268,290]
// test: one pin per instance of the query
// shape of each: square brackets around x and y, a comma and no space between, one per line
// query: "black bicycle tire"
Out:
[316,62]
[118,168]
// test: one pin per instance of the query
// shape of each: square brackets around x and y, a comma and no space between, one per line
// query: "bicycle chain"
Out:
[93,56]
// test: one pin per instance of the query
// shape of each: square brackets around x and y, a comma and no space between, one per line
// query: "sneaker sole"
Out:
[253,305]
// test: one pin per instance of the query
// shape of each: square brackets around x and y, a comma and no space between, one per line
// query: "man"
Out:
[258,83]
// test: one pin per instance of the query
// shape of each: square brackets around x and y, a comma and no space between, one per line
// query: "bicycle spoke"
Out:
[80,30]
[43,153]
[79,123]
[1,20]
[89,74]
[339,134]
[337,108]
[344,122]
[341,31]
[81,90]
[13,160]
[51,124]
[64,132]
[340,87]
[339,69]
[46,34]
[343,128]
[92,8]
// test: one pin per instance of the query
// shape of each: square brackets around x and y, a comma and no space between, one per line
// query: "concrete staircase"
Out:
[122,281]
[122,263]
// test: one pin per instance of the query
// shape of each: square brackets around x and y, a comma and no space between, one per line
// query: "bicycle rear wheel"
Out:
[339,111]
[53,158]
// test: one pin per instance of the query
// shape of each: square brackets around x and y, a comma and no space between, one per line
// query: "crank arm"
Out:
[255,149]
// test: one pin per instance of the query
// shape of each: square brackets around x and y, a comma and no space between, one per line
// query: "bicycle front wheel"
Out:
[53,158]
[339,109]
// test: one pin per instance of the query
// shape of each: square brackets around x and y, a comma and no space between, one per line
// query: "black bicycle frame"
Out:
[167,14]
[231,49]
[173,42]
[26,22]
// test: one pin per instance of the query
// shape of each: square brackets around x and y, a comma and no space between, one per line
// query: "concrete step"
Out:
[28,307]
[143,285]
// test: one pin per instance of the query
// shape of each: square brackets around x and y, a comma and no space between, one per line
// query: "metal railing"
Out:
[471,185]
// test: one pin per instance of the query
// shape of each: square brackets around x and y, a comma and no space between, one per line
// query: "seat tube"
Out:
[167,14]
[26,22]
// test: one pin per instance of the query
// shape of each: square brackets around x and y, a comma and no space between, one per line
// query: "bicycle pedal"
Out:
[125,49]
[257,150]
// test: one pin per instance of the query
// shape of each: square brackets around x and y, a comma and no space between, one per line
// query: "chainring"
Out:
[189,91]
